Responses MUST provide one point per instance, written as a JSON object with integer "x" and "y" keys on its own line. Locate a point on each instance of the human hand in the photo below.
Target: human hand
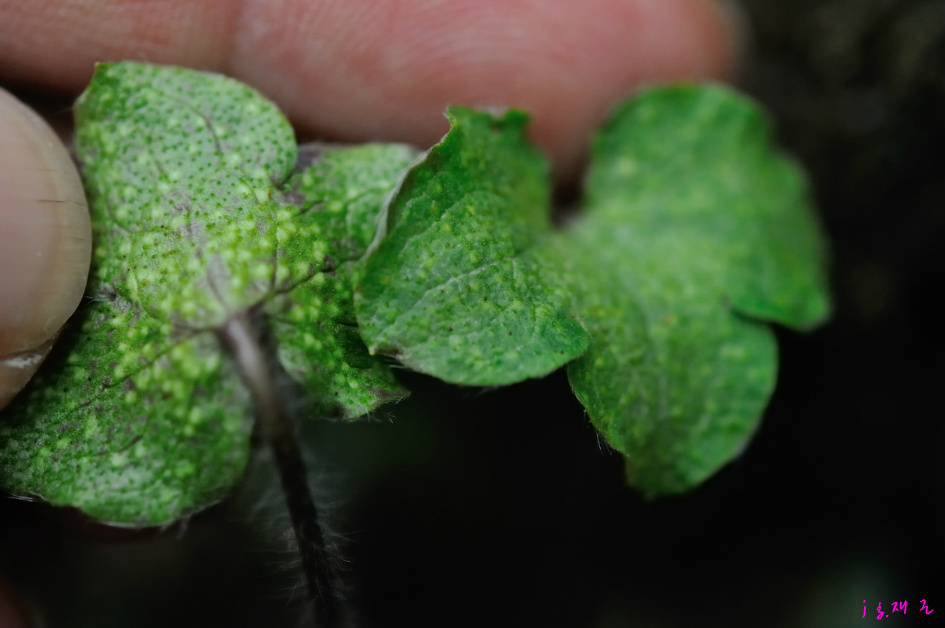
{"x": 354, "y": 71}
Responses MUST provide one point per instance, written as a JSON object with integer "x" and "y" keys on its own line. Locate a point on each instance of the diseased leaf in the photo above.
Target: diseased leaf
{"x": 453, "y": 290}
{"x": 341, "y": 189}
{"x": 132, "y": 434}
{"x": 181, "y": 170}
{"x": 139, "y": 419}
{"x": 341, "y": 192}
{"x": 696, "y": 233}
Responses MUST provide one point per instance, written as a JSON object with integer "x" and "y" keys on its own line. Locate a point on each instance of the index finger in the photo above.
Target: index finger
{"x": 384, "y": 70}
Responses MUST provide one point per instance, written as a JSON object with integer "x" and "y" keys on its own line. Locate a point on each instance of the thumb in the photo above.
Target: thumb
{"x": 45, "y": 242}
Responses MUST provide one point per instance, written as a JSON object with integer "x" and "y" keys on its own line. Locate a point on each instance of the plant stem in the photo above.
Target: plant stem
{"x": 242, "y": 338}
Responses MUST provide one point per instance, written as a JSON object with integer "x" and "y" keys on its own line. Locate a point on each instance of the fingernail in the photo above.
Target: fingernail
{"x": 45, "y": 240}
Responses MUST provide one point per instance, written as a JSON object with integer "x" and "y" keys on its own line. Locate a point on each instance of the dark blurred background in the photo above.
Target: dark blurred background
{"x": 501, "y": 508}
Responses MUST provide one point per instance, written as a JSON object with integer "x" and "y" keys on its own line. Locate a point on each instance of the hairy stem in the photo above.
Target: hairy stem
{"x": 242, "y": 338}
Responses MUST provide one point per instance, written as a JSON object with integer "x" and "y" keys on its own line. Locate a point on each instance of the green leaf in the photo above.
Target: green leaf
{"x": 696, "y": 233}
{"x": 138, "y": 419}
{"x": 342, "y": 188}
{"x": 181, "y": 169}
{"x": 134, "y": 442}
{"x": 340, "y": 192}
{"x": 454, "y": 289}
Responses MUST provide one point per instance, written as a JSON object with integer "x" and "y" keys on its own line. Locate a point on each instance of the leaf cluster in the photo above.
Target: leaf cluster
{"x": 694, "y": 235}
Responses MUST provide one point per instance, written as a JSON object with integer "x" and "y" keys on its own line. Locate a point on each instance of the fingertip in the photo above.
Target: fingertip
{"x": 45, "y": 241}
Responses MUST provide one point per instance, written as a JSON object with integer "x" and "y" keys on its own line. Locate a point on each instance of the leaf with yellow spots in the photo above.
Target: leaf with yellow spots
{"x": 454, "y": 289}
{"x": 340, "y": 192}
{"x": 200, "y": 215}
{"x": 696, "y": 233}
{"x": 130, "y": 439}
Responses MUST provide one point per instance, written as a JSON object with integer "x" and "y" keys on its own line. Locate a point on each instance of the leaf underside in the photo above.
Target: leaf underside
{"x": 695, "y": 236}
{"x": 199, "y": 213}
